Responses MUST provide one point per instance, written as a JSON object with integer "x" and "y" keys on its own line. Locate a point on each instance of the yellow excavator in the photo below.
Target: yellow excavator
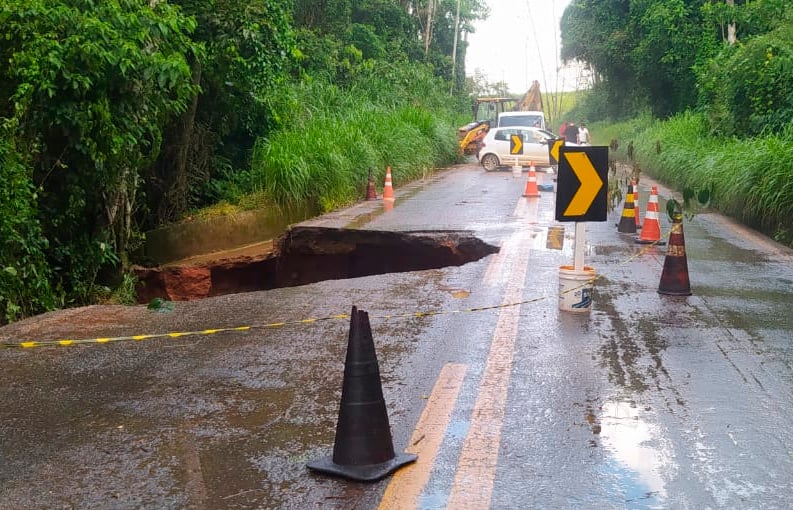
{"x": 531, "y": 100}
{"x": 470, "y": 136}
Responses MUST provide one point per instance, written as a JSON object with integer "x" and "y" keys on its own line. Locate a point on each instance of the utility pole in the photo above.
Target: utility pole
{"x": 454, "y": 47}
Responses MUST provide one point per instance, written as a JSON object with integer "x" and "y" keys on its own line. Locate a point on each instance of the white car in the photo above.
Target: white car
{"x": 498, "y": 144}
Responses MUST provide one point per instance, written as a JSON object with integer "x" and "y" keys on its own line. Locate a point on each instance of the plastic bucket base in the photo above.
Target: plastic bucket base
{"x": 517, "y": 171}
{"x": 575, "y": 288}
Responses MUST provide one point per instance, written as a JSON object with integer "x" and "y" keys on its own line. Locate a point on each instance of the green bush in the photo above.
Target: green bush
{"x": 85, "y": 90}
{"x": 24, "y": 272}
{"x": 748, "y": 89}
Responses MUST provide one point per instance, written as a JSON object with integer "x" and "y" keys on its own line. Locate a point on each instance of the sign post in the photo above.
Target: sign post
{"x": 580, "y": 244}
{"x": 581, "y": 196}
{"x": 516, "y": 148}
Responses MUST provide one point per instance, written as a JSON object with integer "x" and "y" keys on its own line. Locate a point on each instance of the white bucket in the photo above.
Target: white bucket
{"x": 575, "y": 288}
{"x": 517, "y": 170}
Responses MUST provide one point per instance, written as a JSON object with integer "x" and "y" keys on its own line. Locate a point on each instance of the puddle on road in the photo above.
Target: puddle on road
{"x": 633, "y": 463}
{"x": 716, "y": 249}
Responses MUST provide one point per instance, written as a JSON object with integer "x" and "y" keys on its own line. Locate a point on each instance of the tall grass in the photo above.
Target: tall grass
{"x": 333, "y": 137}
{"x": 749, "y": 179}
{"x": 327, "y": 163}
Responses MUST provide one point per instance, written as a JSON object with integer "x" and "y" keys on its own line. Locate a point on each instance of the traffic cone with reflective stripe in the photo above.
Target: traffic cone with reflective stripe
{"x": 388, "y": 189}
{"x": 627, "y": 224}
{"x": 636, "y": 211}
{"x": 363, "y": 449}
{"x": 531, "y": 183}
{"x": 651, "y": 229}
{"x": 674, "y": 277}
{"x": 371, "y": 192}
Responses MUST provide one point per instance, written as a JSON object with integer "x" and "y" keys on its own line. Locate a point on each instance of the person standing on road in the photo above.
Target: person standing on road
{"x": 571, "y": 133}
{"x": 583, "y": 135}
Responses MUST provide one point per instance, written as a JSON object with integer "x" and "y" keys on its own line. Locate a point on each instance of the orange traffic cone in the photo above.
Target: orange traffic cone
{"x": 627, "y": 224}
{"x": 636, "y": 211}
{"x": 531, "y": 183}
{"x": 388, "y": 189}
{"x": 651, "y": 229}
{"x": 371, "y": 192}
{"x": 363, "y": 449}
{"x": 674, "y": 277}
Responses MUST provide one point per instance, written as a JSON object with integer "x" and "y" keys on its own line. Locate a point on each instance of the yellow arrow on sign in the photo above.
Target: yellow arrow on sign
{"x": 590, "y": 183}
{"x": 555, "y": 148}
{"x": 517, "y": 145}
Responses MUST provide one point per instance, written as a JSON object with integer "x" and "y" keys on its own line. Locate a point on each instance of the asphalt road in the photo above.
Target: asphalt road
{"x": 646, "y": 401}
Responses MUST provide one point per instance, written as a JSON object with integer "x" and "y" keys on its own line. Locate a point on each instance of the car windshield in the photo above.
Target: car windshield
{"x": 521, "y": 120}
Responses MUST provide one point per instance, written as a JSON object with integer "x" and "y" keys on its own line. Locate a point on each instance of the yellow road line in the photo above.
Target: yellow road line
{"x": 496, "y": 264}
{"x": 407, "y": 484}
{"x": 476, "y": 469}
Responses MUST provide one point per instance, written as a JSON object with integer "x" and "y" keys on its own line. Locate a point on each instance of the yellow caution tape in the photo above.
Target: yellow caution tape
{"x": 177, "y": 334}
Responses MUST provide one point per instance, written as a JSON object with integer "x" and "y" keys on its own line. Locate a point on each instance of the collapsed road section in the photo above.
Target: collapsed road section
{"x": 304, "y": 255}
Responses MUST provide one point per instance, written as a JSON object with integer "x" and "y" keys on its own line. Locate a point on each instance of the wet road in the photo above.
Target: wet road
{"x": 647, "y": 401}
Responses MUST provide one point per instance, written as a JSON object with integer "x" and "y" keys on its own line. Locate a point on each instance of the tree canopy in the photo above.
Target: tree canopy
{"x": 671, "y": 55}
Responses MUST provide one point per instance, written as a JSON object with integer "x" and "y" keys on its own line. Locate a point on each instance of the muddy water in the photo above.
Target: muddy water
{"x": 199, "y": 236}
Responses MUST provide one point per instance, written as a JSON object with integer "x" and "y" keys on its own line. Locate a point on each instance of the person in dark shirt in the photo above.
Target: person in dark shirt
{"x": 571, "y": 133}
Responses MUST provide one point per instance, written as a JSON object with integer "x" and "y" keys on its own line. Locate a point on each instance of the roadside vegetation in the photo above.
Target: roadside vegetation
{"x": 703, "y": 112}
{"x": 122, "y": 116}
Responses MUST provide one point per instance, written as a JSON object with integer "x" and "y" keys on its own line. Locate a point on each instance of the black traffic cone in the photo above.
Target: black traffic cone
{"x": 627, "y": 224}
{"x": 371, "y": 192}
{"x": 674, "y": 277}
{"x": 363, "y": 449}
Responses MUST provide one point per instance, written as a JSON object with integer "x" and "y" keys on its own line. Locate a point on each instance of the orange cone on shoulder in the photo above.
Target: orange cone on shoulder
{"x": 531, "y": 183}
{"x": 651, "y": 229}
{"x": 388, "y": 188}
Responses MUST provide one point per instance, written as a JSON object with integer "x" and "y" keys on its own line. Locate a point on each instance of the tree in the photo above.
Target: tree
{"x": 668, "y": 36}
{"x": 89, "y": 87}
{"x": 640, "y": 49}
{"x": 249, "y": 50}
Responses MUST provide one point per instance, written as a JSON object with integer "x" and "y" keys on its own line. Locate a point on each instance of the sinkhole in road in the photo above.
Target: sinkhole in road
{"x": 304, "y": 255}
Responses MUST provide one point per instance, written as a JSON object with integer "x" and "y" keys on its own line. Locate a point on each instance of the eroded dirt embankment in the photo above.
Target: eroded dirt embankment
{"x": 305, "y": 255}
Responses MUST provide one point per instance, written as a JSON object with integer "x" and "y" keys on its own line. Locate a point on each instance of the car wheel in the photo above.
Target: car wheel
{"x": 490, "y": 162}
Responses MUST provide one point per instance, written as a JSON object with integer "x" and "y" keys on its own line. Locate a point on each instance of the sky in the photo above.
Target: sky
{"x": 519, "y": 43}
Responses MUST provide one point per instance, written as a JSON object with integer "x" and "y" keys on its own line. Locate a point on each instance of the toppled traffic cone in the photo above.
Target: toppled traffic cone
{"x": 531, "y": 183}
{"x": 636, "y": 211}
{"x": 363, "y": 450}
{"x": 627, "y": 224}
{"x": 651, "y": 229}
{"x": 388, "y": 188}
{"x": 371, "y": 192}
{"x": 674, "y": 277}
